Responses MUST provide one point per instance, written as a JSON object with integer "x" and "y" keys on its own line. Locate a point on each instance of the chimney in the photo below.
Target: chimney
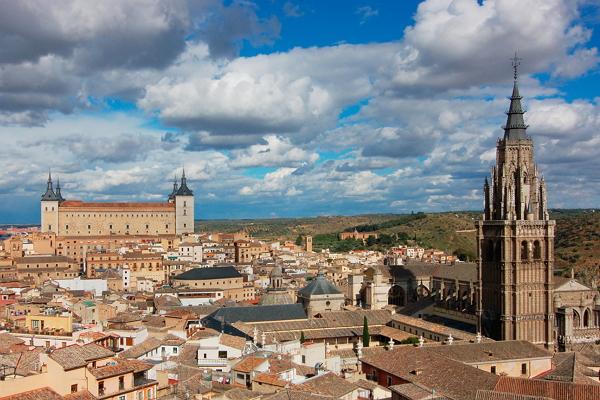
{"x": 417, "y": 371}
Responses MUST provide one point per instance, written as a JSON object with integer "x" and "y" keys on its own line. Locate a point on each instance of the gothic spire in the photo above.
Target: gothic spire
{"x": 183, "y": 188}
{"x": 58, "y": 194}
{"x": 515, "y": 124}
{"x": 174, "y": 192}
{"x": 49, "y": 183}
{"x": 49, "y": 195}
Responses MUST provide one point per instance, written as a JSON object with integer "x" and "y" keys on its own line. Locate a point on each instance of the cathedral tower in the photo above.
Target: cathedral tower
{"x": 515, "y": 240}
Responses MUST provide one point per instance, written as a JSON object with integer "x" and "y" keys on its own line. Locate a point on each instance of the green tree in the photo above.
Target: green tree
{"x": 366, "y": 339}
{"x": 371, "y": 241}
{"x": 299, "y": 240}
{"x": 302, "y": 338}
{"x": 410, "y": 340}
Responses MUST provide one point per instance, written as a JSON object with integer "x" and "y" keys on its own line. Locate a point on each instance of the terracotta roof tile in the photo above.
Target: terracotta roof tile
{"x": 37, "y": 394}
{"x": 492, "y": 395}
{"x": 423, "y": 367}
{"x": 119, "y": 367}
{"x": 328, "y": 384}
{"x": 248, "y": 364}
{"x": 551, "y": 389}
{"x": 75, "y": 356}
{"x": 270, "y": 379}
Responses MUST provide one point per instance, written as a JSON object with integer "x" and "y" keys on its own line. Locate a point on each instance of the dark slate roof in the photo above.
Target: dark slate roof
{"x": 198, "y": 274}
{"x": 318, "y": 286}
{"x": 515, "y": 125}
{"x": 50, "y": 195}
{"x": 183, "y": 188}
{"x": 174, "y": 192}
{"x": 276, "y": 312}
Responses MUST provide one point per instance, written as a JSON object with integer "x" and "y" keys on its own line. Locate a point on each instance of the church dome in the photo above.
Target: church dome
{"x": 318, "y": 286}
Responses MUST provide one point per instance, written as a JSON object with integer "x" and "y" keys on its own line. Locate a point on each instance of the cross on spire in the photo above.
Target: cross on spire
{"x": 516, "y": 61}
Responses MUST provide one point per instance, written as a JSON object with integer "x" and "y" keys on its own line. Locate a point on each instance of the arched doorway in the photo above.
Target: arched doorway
{"x": 396, "y": 296}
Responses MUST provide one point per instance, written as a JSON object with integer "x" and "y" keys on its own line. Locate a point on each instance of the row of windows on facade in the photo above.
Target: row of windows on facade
{"x": 494, "y": 250}
{"x": 48, "y": 274}
{"x": 216, "y": 282}
{"x": 92, "y": 243}
{"x": 102, "y": 390}
{"x": 95, "y": 264}
{"x": 47, "y": 265}
{"x": 110, "y": 226}
{"x": 117, "y": 214}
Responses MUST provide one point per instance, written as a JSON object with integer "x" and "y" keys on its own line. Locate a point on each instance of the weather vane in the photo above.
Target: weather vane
{"x": 516, "y": 61}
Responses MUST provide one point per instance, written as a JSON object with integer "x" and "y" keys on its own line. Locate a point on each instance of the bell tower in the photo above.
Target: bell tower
{"x": 515, "y": 240}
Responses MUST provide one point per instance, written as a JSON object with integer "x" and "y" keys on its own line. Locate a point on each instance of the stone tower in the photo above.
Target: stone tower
{"x": 515, "y": 240}
{"x": 184, "y": 207}
{"x": 308, "y": 244}
{"x": 49, "y": 207}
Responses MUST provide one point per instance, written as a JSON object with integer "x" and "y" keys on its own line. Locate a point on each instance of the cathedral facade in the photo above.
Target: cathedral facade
{"x": 515, "y": 241}
{"x": 78, "y": 218}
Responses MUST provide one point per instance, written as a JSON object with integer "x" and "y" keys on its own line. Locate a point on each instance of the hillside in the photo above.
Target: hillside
{"x": 452, "y": 232}
{"x": 577, "y": 243}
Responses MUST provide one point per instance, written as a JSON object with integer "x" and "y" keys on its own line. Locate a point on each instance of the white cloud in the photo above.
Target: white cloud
{"x": 275, "y": 152}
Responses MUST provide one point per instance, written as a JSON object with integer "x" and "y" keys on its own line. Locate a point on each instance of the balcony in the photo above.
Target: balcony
{"x": 142, "y": 381}
{"x": 214, "y": 362}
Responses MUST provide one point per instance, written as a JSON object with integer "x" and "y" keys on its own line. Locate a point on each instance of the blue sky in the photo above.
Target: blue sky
{"x": 292, "y": 108}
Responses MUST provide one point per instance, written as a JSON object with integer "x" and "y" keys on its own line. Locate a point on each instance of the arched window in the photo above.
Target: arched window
{"x": 576, "y": 319}
{"x": 537, "y": 250}
{"x": 524, "y": 254}
{"x": 396, "y": 296}
{"x": 586, "y": 318}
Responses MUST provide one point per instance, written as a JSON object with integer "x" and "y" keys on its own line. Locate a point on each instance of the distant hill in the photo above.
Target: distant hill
{"x": 577, "y": 243}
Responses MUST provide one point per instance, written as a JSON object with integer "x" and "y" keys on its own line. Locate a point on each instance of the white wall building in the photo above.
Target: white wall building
{"x": 89, "y": 285}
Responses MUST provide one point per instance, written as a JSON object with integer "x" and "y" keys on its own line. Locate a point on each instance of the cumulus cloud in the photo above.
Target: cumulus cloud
{"x": 393, "y": 142}
{"x": 54, "y": 56}
{"x": 404, "y": 125}
{"x": 463, "y": 43}
{"x": 225, "y": 27}
{"x": 275, "y": 152}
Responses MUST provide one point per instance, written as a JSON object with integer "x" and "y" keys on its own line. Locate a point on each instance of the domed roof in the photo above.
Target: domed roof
{"x": 318, "y": 286}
